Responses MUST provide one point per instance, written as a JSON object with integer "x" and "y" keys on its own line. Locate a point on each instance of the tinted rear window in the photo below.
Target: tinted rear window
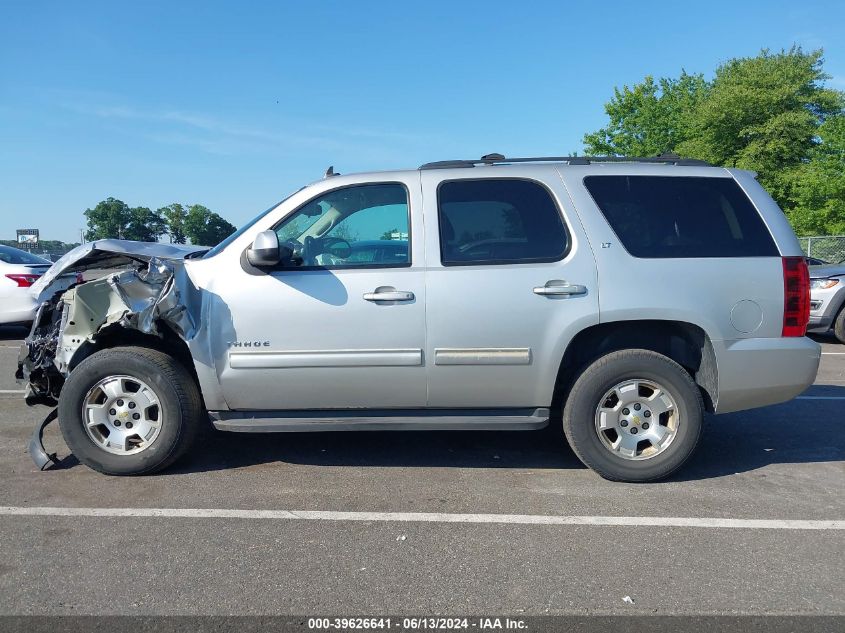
{"x": 498, "y": 221}
{"x": 671, "y": 216}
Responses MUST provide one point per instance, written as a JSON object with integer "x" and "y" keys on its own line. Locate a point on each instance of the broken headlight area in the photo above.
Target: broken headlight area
{"x": 35, "y": 363}
{"x": 137, "y": 288}
{"x": 70, "y": 325}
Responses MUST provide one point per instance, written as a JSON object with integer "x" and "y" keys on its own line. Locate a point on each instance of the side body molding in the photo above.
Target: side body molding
{"x": 482, "y": 356}
{"x": 266, "y": 359}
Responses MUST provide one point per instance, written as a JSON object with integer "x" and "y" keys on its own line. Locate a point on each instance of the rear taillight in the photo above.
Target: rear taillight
{"x": 796, "y": 296}
{"x": 79, "y": 278}
{"x": 24, "y": 281}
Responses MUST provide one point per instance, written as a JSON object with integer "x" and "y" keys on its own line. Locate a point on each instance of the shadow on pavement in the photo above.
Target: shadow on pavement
{"x": 801, "y": 431}
{"x": 827, "y": 337}
{"x": 545, "y": 449}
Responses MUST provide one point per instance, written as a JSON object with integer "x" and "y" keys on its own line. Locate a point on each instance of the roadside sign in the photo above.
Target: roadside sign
{"x": 27, "y": 237}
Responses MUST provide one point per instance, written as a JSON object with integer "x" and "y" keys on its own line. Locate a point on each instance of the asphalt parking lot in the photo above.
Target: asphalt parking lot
{"x": 723, "y": 544}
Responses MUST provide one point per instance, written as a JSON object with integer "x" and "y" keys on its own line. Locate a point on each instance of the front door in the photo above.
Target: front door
{"x": 342, "y": 325}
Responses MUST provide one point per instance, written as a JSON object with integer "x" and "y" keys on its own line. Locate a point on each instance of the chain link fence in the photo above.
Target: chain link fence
{"x": 829, "y": 248}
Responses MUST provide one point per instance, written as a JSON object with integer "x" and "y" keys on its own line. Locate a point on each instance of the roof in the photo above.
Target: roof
{"x": 523, "y": 167}
{"x": 499, "y": 159}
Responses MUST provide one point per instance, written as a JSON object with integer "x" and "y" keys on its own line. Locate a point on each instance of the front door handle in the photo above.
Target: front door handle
{"x": 388, "y": 293}
{"x": 560, "y": 288}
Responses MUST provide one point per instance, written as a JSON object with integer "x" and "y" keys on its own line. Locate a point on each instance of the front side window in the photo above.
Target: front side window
{"x": 357, "y": 226}
{"x": 681, "y": 216}
{"x": 498, "y": 221}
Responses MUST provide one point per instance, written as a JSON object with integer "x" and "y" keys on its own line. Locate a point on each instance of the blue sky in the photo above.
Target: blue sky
{"x": 234, "y": 105}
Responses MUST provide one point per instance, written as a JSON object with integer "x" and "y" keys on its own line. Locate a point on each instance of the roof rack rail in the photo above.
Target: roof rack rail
{"x": 495, "y": 159}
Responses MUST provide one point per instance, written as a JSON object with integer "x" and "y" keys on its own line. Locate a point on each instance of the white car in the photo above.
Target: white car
{"x": 18, "y": 271}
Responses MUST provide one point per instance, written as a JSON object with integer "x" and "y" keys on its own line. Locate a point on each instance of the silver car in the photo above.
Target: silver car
{"x": 622, "y": 299}
{"x": 827, "y": 299}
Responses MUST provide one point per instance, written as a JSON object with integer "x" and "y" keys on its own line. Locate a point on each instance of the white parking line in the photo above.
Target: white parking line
{"x": 15, "y": 391}
{"x": 427, "y": 517}
{"x": 833, "y": 353}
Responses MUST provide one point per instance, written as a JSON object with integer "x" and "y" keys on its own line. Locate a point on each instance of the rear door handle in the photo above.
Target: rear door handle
{"x": 560, "y": 288}
{"x": 388, "y": 293}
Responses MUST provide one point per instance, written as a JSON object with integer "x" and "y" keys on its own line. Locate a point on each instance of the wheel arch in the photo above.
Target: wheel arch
{"x": 168, "y": 343}
{"x": 685, "y": 343}
{"x": 838, "y": 302}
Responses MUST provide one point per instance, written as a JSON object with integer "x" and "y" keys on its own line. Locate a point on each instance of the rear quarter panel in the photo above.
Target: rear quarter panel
{"x": 737, "y": 301}
{"x": 702, "y": 291}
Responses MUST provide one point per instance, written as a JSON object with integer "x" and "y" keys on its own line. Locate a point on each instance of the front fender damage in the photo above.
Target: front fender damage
{"x": 146, "y": 298}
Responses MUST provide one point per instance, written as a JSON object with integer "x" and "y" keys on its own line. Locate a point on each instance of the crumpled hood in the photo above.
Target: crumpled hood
{"x": 139, "y": 287}
{"x": 108, "y": 254}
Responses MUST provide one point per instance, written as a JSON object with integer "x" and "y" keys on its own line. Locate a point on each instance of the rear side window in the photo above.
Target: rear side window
{"x": 672, "y": 216}
{"x": 498, "y": 221}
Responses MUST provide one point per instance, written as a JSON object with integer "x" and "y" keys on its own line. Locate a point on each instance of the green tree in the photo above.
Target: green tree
{"x": 766, "y": 113}
{"x": 763, "y": 113}
{"x": 113, "y": 218}
{"x": 204, "y": 227}
{"x": 174, "y": 216}
{"x": 816, "y": 188}
{"x": 144, "y": 225}
{"x": 650, "y": 118}
{"x": 56, "y": 246}
{"x": 108, "y": 219}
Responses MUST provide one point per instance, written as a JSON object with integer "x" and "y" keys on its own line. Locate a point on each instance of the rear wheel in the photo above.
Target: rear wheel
{"x": 633, "y": 415}
{"x": 129, "y": 411}
{"x": 839, "y": 325}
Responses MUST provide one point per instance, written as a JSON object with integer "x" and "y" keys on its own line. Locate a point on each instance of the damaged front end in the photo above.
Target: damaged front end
{"x": 134, "y": 288}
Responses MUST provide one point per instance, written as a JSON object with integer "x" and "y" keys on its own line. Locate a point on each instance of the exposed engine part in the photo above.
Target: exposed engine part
{"x": 136, "y": 287}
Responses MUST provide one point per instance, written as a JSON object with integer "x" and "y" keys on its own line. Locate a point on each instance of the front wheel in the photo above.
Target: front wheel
{"x": 633, "y": 415}
{"x": 129, "y": 411}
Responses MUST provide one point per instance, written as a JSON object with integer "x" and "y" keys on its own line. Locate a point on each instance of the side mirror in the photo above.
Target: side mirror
{"x": 264, "y": 250}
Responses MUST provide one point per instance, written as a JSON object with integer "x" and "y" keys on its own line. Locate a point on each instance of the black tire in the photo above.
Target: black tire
{"x": 579, "y": 414}
{"x": 179, "y": 399}
{"x": 839, "y": 326}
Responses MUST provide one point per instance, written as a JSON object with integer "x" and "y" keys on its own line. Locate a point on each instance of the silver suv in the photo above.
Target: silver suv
{"x": 621, "y": 298}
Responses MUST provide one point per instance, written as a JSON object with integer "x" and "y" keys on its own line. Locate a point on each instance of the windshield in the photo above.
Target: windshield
{"x": 244, "y": 228}
{"x": 14, "y": 256}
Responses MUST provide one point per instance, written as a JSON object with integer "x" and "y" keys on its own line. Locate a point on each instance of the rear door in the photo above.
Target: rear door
{"x": 510, "y": 279}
